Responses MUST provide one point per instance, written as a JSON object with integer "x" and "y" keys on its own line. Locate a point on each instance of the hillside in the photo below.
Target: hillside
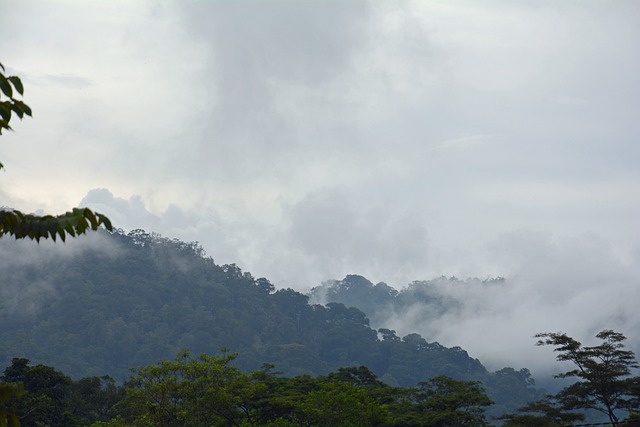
{"x": 114, "y": 301}
{"x": 427, "y": 300}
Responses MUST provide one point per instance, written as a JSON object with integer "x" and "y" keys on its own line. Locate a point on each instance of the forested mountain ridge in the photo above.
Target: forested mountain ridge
{"x": 380, "y": 302}
{"x": 127, "y": 300}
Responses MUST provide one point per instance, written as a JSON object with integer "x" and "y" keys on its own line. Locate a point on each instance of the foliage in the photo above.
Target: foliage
{"x": 602, "y": 373}
{"x": 542, "y": 413}
{"x": 444, "y": 402}
{"x": 20, "y": 225}
{"x": 207, "y": 390}
{"x": 42, "y": 395}
{"x": 130, "y": 299}
{"x": 186, "y": 391}
{"x": 8, "y": 392}
{"x": 73, "y": 223}
{"x": 9, "y": 85}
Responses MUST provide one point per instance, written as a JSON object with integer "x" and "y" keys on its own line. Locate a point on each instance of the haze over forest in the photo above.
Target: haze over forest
{"x": 400, "y": 141}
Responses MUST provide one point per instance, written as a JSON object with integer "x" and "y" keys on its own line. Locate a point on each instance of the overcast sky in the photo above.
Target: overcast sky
{"x": 305, "y": 140}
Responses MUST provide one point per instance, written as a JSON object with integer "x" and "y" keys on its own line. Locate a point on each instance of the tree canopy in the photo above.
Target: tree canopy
{"x": 209, "y": 390}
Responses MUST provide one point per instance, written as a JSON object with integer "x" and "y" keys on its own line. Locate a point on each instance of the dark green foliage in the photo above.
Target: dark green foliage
{"x": 127, "y": 300}
{"x": 210, "y": 391}
{"x": 9, "y": 392}
{"x": 508, "y": 387}
{"x": 542, "y": 413}
{"x": 46, "y": 390}
{"x": 9, "y": 85}
{"x": 35, "y": 227}
{"x": 49, "y": 397}
{"x": 445, "y": 402}
{"x": 94, "y": 399}
{"x": 202, "y": 391}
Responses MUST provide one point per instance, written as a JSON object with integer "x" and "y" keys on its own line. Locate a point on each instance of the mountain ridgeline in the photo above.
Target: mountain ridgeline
{"x": 118, "y": 300}
{"x": 381, "y": 302}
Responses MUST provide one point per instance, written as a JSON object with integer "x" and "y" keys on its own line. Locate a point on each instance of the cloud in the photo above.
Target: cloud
{"x": 204, "y": 226}
{"x": 333, "y": 233}
{"x": 18, "y": 300}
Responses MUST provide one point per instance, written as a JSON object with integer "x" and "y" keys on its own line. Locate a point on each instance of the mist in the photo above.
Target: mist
{"x": 20, "y": 301}
{"x": 579, "y": 286}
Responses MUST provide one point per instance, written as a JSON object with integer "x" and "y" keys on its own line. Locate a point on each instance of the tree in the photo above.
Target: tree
{"x": 12, "y": 105}
{"x": 206, "y": 390}
{"x": 46, "y": 391}
{"x": 9, "y": 392}
{"x": 602, "y": 373}
{"x": 442, "y": 402}
{"x": 94, "y": 399}
{"x": 20, "y": 225}
{"x": 449, "y": 402}
{"x": 338, "y": 403}
{"x": 542, "y": 413}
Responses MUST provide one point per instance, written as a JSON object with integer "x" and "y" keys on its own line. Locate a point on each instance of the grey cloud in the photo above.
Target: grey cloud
{"x": 71, "y": 81}
{"x": 205, "y": 226}
{"x": 338, "y": 233}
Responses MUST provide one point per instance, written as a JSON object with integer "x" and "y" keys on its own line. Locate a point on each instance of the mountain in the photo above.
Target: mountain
{"x": 113, "y": 301}
{"x": 427, "y": 300}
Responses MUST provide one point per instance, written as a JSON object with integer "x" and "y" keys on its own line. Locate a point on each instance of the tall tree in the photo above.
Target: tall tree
{"x": 44, "y": 400}
{"x": 603, "y": 373}
{"x": 442, "y": 402}
{"x": 542, "y": 413}
{"x": 21, "y": 225}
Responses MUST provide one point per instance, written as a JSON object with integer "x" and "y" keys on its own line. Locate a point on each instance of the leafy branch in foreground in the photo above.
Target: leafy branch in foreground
{"x": 21, "y": 225}
{"x": 9, "y": 84}
{"x": 73, "y": 223}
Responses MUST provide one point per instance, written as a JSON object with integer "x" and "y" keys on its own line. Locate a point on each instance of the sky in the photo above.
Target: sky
{"x": 307, "y": 140}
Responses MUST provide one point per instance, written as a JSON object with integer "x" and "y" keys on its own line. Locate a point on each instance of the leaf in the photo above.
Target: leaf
{"x": 5, "y": 86}
{"x": 27, "y": 109}
{"x": 106, "y": 222}
{"x": 52, "y": 225}
{"x": 81, "y": 225}
{"x": 18, "y": 108}
{"x": 21, "y": 108}
{"x": 5, "y": 111}
{"x": 69, "y": 228}
{"x": 92, "y": 218}
{"x": 16, "y": 83}
{"x": 4, "y": 125}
